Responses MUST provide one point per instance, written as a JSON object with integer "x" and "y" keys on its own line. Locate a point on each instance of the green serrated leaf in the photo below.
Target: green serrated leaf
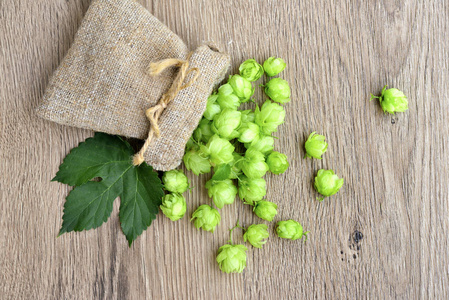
{"x": 140, "y": 201}
{"x": 222, "y": 172}
{"x": 99, "y": 156}
{"x": 90, "y": 203}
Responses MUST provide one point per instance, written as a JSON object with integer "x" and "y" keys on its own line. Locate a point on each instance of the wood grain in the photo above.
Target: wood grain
{"x": 384, "y": 235}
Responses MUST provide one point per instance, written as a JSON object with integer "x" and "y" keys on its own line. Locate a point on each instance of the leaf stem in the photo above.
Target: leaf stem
{"x": 305, "y": 235}
{"x": 231, "y": 230}
{"x": 374, "y": 97}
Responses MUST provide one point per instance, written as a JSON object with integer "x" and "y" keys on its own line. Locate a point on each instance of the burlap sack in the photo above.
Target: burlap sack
{"x": 102, "y": 83}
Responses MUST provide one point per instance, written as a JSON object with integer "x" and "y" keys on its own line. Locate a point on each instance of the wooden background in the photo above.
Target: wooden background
{"x": 384, "y": 235}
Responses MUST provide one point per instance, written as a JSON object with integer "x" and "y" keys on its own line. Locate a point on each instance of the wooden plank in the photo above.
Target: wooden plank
{"x": 384, "y": 235}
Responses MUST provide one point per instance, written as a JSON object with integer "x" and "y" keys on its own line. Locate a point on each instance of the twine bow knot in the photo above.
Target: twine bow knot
{"x": 153, "y": 113}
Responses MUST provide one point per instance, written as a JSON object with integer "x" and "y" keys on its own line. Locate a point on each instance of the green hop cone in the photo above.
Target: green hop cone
{"x": 265, "y": 210}
{"x": 277, "y": 162}
{"x": 392, "y": 100}
{"x": 278, "y": 90}
{"x": 273, "y": 66}
{"x": 222, "y": 192}
{"x": 206, "y": 218}
{"x": 175, "y": 181}
{"x": 226, "y": 123}
{"x": 227, "y": 98}
{"x": 252, "y": 190}
{"x": 251, "y": 70}
{"x": 256, "y": 235}
{"x": 196, "y": 162}
{"x": 191, "y": 144}
{"x": 174, "y": 206}
{"x": 232, "y": 258}
{"x": 212, "y": 107}
{"x": 269, "y": 117}
{"x": 218, "y": 150}
{"x": 242, "y": 87}
{"x": 290, "y": 229}
{"x": 253, "y": 164}
{"x": 248, "y": 132}
{"x": 327, "y": 183}
{"x": 247, "y": 116}
{"x": 264, "y": 144}
{"x": 203, "y": 132}
{"x": 315, "y": 145}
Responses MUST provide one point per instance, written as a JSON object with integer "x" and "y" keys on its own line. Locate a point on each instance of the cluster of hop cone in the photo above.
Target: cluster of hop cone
{"x": 238, "y": 145}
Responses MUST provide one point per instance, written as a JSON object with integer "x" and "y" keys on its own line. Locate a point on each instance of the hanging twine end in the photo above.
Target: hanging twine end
{"x": 138, "y": 159}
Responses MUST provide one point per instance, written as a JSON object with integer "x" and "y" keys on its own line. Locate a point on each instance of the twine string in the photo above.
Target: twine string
{"x": 153, "y": 113}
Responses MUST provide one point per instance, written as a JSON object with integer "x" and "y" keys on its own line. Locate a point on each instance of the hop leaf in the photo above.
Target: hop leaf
{"x": 315, "y": 145}
{"x": 174, "y": 206}
{"x": 232, "y": 258}
{"x": 222, "y": 172}
{"x": 327, "y": 183}
{"x": 98, "y": 156}
{"x": 175, "y": 181}
{"x": 206, "y": 218}
{"x": 256, "y": 235}
{"x": 273, "y": 66}
{"x": 251, "y": 70}
{"x": 290, "y": 229}
{"x": 89, "y": 204}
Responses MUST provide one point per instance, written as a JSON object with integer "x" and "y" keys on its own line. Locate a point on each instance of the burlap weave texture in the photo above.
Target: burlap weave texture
{"x": 102, "y": 82}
